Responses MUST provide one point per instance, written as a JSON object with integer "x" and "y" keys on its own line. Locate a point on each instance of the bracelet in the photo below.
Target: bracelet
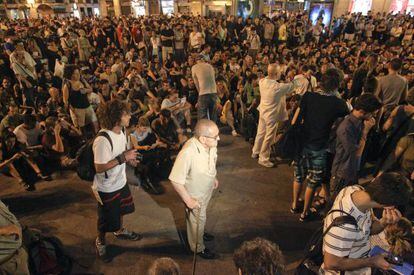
{"x": 120, "y": 158}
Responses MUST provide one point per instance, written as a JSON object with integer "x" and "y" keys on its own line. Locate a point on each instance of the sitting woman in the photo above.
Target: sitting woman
{"x": 396, "y": 239}
{"x": 225, "y": 107}
{"x": 55, "y": 146}
{"x": 17, "y": 163}
{"x": 153, "y": 153}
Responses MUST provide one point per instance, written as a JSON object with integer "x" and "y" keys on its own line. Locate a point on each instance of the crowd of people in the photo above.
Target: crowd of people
{"x": 349, "y": 87}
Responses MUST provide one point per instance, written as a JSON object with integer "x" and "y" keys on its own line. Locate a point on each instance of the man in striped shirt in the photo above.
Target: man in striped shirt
{"x": 346, "y": 247}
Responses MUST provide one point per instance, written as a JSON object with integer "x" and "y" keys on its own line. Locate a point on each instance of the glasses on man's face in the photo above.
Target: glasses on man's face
{"x": 217, "y": 137}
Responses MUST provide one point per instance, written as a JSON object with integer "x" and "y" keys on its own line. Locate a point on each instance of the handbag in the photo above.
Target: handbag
{"x": 290, "y": 144}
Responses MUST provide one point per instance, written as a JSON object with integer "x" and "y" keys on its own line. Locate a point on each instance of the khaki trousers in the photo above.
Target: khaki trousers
{"x": 191, "y": 220}
{"x": 18, "y": 265}
{"x": 265, "y": 137}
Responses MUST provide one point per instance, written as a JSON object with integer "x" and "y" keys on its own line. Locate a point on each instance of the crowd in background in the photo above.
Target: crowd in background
{"x": 55, "y": 73}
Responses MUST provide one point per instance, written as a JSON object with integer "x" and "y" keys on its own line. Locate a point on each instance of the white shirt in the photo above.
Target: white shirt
{"x": 28, "y": 137}
{"x": 303, "y": 84}
{"x": 103, "y": 154}
{"x": 196, "y": 39}
{"x": 195, "y": 168}
{"x": 205, "y": 75}
{"x": 273, "y": 99}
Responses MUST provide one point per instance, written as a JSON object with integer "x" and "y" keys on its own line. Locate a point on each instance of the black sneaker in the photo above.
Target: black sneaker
{"x": 128, "y": 235}
{"x": 101, "y": 252}
{"x": 208, "y": 237}
{"x": 29, "y": 187}
{"x": 207, "y": 254}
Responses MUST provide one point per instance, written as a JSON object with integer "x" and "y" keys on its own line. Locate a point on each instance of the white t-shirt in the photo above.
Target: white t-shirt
{"x": 103, "y": 154}
{"x": 205, "y": 75}
{"x": 28, "y": 137}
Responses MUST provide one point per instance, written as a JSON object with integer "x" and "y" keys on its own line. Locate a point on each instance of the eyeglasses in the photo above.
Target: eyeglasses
{"x": 217, "y": 137}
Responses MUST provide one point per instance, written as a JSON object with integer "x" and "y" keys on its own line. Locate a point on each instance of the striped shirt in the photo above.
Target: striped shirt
{"x": 346, "y": 240}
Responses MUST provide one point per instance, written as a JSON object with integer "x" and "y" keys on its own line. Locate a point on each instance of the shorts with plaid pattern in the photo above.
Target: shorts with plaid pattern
{"x": 312, "y": 166}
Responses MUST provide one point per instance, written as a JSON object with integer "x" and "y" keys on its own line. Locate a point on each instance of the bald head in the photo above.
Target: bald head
{"x": 272, "y": 70}
{"x": 205, "y": 127}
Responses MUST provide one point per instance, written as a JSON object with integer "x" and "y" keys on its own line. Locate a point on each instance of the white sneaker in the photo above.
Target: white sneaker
{"x": 267, "y": 164}
{"x": 255, "y": 156}
{"x": 234, "y": 133}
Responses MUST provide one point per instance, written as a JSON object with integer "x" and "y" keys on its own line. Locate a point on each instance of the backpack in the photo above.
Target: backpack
{"x": 86, "y": 166}
{"x": 313, "y": 259}
{"x": 46, "y": 256}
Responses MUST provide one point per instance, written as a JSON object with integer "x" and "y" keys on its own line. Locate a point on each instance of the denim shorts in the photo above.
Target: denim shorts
{"x": 312, "y": 166}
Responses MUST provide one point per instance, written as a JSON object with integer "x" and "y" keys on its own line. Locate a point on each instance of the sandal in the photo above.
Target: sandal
{"x": 305, "y": 217}
{"x": 295, "y": 210}
{"x": 318, "y": 205}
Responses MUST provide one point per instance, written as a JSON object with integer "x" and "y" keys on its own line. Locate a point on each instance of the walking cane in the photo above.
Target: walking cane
{"x": 196, "y": 246}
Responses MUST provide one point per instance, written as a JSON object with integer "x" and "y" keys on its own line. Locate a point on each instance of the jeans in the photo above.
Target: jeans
{"x": 207, "y": 107}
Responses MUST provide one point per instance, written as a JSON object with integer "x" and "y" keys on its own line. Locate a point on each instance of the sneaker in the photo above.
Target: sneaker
{"x": 255, "y": 156}
{"x": 29, "y": 187}
{"x": 127, "y": 235}
{"x": 101, "y": 252}
{"x": 234, "y": 133}
{"x": 267, "y": 164}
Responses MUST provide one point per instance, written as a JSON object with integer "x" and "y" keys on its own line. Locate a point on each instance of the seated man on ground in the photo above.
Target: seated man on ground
{"x": 154, "y": 156}
{"x": 167, "y": 132}
{"x": 179, "y": 108}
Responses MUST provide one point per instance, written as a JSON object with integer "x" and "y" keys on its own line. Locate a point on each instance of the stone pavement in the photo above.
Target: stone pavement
{"x": 251, "y": 201}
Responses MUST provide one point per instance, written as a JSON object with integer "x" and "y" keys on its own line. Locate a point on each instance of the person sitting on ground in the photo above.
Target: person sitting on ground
{"x": 179, "y": 108}
{"x": 16, "y": 162}
{"x": 54, "y": 145}
{"x": 153, "y": 153}
{"x": 224, "y": 107}
{"x": 11, "y": 120}
{"x": 29, "y": 132}
{"x": 164, "y": 266}
{"x": 259, "y": 256}
{"x": 167, "y": 132}
{"x": 397, "y": 239}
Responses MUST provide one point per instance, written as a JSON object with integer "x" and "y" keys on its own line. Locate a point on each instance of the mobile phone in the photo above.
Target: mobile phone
{"x": 393, "y": 259}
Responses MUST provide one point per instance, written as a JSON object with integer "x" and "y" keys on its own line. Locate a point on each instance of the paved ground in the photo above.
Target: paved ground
{"x": 251, "y": 201}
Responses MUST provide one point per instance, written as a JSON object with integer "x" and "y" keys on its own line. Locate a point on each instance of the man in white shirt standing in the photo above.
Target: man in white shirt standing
{"x": 205, "y": 82}
{"x": 272, "y": 109}
{"x": 110, "y": 187}
{"x": 306, "y": 81}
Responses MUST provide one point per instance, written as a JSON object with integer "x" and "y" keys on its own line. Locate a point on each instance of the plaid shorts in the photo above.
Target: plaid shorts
{"x": 312, "y": 166}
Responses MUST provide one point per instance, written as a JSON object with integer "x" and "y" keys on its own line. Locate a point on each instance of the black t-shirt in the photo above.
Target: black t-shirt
{"x": 166, "y": 133}
{"x": 170, "y": 34}
{"x": 319, "y": 112}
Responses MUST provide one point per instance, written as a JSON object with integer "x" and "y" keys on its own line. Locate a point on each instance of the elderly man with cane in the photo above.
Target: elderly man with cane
{"x": 194, "y": 178}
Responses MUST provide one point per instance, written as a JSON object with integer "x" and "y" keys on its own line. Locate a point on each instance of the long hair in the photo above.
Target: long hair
{"x": 399, "y": 236}
{"x": 110, "y": 113}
